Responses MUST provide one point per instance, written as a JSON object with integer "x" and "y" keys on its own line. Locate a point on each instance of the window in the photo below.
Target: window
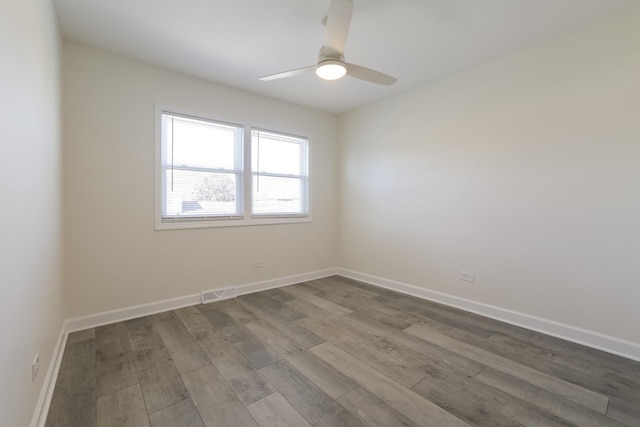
{"x": 279, "y": 173}
{"x": 201, "y": 169}
{"x": 212, "y": 173}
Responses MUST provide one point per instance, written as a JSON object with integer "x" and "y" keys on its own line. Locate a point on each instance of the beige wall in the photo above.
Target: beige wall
{"x": 31, "y": 196}
{"x": 114, "y": 258}
{"x": 524, "y": 171}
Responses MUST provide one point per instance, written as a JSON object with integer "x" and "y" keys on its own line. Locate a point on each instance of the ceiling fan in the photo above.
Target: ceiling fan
{"x": 331, "y": 64}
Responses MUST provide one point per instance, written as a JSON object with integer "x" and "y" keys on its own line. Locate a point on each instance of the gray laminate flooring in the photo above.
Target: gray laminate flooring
{"x": 335, "y": 352}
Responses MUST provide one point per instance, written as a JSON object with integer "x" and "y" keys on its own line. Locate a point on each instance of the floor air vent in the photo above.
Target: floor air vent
{"x": 218, "y": 295}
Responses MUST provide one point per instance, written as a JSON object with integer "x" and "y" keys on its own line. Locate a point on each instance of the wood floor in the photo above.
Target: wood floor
{"x": 335, "y": 352}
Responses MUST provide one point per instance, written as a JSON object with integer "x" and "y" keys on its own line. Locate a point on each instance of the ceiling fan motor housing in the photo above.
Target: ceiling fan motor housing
{"x": 328, "y": 54}
{"x": 331, "y": 65}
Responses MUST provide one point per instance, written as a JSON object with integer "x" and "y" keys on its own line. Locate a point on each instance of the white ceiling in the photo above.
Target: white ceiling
{"x": 233, "y": 42}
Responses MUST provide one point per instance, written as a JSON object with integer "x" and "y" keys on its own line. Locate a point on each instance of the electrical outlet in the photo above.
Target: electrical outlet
{"x": 258, "y": 264}
{"x": 467, "y": 277}
{"x": 35, "y": 367}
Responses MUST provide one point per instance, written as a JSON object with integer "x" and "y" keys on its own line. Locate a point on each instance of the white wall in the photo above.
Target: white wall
{"x": 524, "y": 171}
{"x": 30, "y": 203}
{"x": 114, "y": 258}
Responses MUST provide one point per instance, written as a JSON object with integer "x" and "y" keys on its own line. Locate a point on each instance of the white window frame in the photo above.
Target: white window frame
{"x": 244, "y": 190}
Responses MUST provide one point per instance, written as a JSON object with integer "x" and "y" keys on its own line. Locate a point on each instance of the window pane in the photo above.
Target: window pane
{"x": 277, "y": 195}
{"x": 198, "y": 143}
{"x": 198, "y": 194}
{"x": 195, "y": 154}
{"x": 273, "y": 153}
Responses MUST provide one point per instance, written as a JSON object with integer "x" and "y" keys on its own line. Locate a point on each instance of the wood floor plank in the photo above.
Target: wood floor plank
{"x": 301, "y": 336}
{"x": 339, "y": 296}
{"x": 216, "y": 402}
{"x": 382, "y": 311}
{"x": 303, "y": 394}
{"x": 577, "y": 394}
{"x": 262, "y": 300}
{"x": 256, "y": 353}
{"x": 547, "y": 401}
{"x": 300, "y": 293}
{"x": 398, "y": 321}
{"x": 184, "y": 350}
{"x": 115, "y": 365}
{"x": 236, "y": 370}
{"x": 159, "y": 379}
{"x": 327, "y": 287}
{"x": 405, "y": 401}
{"x": 223, "y": 322}
{"x": 351, "y": 302}
{"x": 279, "y": 295}
{"x": 371, "y": 410}
{"x": 603, "y": 372}
{"x": 359, "y": 344}
{"x": 526, "y": 417}
{"x": 73, "y": 403}
{"x": 406, "y": 375}
{"x": 595, "y": 378}
{"x": 237, "y": 311}
{"x": 123, "y": 408}
{"x": 371, "y": 354}
{"x": 86, "y": 334}
{"x": 328, "y": 379}
{"x": 482, "y": 405}
{"x": 437, "y": 360}
{"x": 375, "y": 289}
{"x": 431, "y": 311}
{"x": 243, "y": 379}
{"x": 625, "y": 412}
{"x": 395, "y": 308}
{"x": 311, "y": 310}
{"x": 343, "y": 419}
{"x": 435, "y": 316}
{"x": 363, "y": 325}
{"x": 326, "y": 328}
{"x": 275, "y": 411}
{"x": 575, "y": 356}
{"x": 276, "y": 340}
{"x": 583, "y": 354}
{"x": 343, "y": 287}
{"x": 181, "y": 414}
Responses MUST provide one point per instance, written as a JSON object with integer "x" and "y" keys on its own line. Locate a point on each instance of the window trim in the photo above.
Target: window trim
{"x": 246, "y": 218}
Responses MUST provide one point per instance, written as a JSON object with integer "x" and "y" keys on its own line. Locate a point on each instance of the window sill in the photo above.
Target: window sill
{"x": 239, "y": 222}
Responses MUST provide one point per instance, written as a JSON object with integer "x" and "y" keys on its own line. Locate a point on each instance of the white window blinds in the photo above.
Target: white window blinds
{"x": 201, "y": 163}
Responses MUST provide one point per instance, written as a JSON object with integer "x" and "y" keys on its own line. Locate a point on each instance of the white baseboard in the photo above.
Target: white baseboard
{"x": 46, "y": 393}
{"x": 617, "y": 346}
{"x": 285, "y": 281}
{"x": 127, "y": 313}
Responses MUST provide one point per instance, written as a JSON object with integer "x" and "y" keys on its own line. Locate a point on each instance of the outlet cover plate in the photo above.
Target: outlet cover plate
{"x": 467, "y": 277}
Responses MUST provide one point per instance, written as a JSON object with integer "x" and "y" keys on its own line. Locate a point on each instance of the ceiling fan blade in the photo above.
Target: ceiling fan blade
{"x": 289, "y": 73}
{"x": 373, "y": 76}
{"x": 338, "y": 22}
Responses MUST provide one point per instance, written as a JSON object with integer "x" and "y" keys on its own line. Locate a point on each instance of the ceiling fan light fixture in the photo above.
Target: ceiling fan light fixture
{"x": 331, "y": 69}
